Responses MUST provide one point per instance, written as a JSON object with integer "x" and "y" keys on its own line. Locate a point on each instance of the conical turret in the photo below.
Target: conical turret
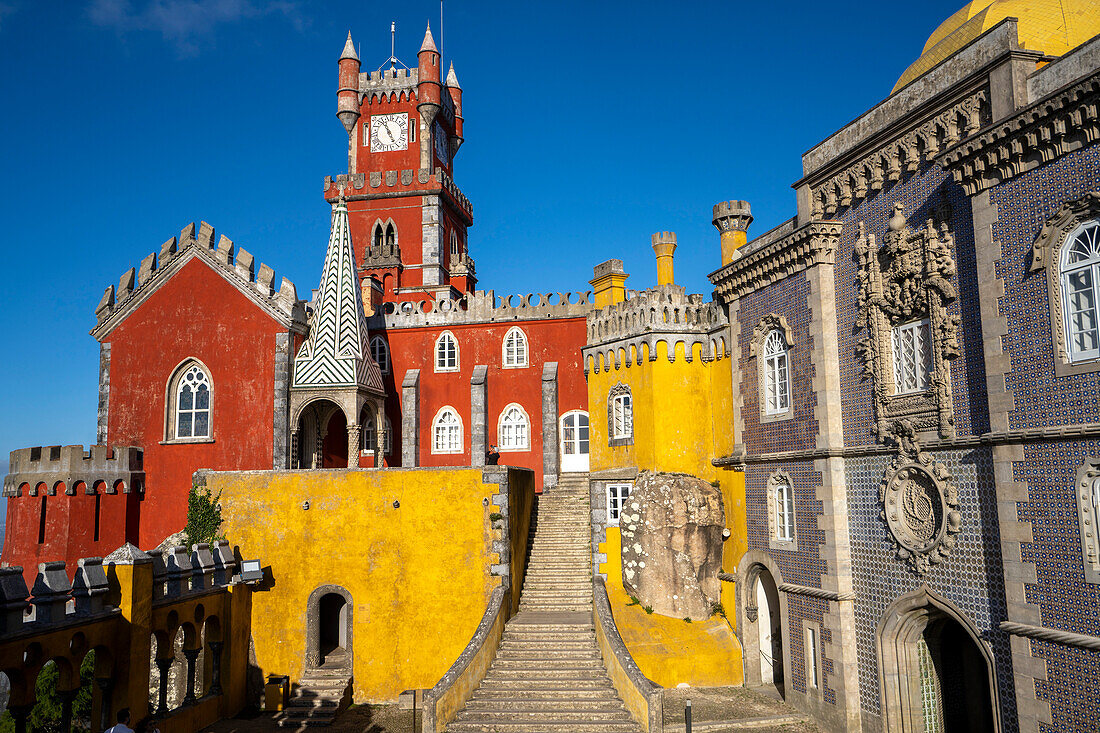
{"x": 455, "y": 91}
{"x": 429, "y": 89}
{"x": 347, "y": 95}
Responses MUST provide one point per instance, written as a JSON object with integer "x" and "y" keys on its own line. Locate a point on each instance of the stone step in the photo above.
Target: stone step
{"x": 571, "y": 673}
{"x": 542, "y": 664}
{"x": 578, "y": 694}
{"x": 515, "y": 685}
{"x": 536, "y": 715}
{"x": 560, "y": 724}
{"x": 605, "y": 704}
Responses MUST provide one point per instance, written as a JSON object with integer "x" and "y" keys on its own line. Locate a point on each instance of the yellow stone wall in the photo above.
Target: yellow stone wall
{"x": 681, "y": 421}
{"x": 418, "y": 573}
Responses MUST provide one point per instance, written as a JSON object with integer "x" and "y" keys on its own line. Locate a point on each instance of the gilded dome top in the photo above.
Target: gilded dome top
{"x": 1051, "y": 26}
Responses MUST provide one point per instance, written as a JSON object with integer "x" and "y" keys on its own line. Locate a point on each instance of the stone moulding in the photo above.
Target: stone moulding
{"x": 767, "y": 324}
{"x": 1041, "y": 633}
{"x": 237, "y": 266}
{"x": 905, "y": 153}
{"x": 1087, "y": 475}
{"x": 813, "y": 244}
{"x": 905, "y": 280}
{"x": 437, "y": 181}
{"x": 920, "y": 507}
{"x": 1063, "y": 122}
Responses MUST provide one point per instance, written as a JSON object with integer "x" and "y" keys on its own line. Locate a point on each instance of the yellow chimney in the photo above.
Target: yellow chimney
{"x": 732, "y": 219}
{"x": 608, "y": 283}
{"x": 664, "y": 245}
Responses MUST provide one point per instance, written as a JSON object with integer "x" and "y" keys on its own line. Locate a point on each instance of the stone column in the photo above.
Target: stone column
{"x": 162, "y": 696}
{"x": 410, "y": 419}
{"x": 353, "y": 446}
{"x": 192, "y": 656}
{"x": 479, "y": 418}
{"x": 280, "y": 457}
{"x": 319, "y": 446}
{"x": 104, "y": 684}
{"x": 551, "y": 443}
{"x": 67, "y": 697}
{"x": 295, "y": 444}
{"x": 20, "y": 713}
{"x": 216, "y": 667}
{"x": 379, "y": 433}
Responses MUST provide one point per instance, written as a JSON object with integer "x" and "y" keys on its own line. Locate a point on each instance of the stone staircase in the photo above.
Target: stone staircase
{"x": 322, "y": 694}
{"x": 548, "y": 675}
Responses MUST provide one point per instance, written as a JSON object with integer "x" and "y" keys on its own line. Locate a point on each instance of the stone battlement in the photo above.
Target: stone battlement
{"x": 363, "y": 182}
{"x": 235, "y": 263}
{"x": 57, "y": 466}
{"x": 483, "y": 307}
{"x": 665, "y": 313}
{"x": 375, "y": 84}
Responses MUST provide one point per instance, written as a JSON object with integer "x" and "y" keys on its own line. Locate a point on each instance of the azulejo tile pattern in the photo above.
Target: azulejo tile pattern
{"x": 786, "y": 298}
{"x": 971, "y": 577}
{"x": 927, "y": 194}
{"x": 1025, "y": 203}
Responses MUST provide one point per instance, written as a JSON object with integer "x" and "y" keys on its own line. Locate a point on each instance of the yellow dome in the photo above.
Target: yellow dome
{"x": 1050, "y": 26}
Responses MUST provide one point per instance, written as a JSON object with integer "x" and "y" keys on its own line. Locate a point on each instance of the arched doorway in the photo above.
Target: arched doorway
{"x": 322, "y": 436}
{"x": 329, "y": 641}
{"x": 769, "y": 628}
{"x": 334, "y": 453}
{"x": 936, "y": 673}
{"x": 574, "y": 441}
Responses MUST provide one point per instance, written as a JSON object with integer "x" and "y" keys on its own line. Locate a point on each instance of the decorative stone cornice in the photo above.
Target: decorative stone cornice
{"x": 813, "y": 244}
{"x": 1063, "y": 122}
{"x": 234, "y": 264}
{"x": 903, "y": 153}
{"x": 408, "y": 182}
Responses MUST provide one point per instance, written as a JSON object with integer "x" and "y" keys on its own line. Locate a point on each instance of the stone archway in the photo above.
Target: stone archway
{"x": 329, "y": 628}
{"x": 935, "y": 672}
{"x": 761, "y": 611}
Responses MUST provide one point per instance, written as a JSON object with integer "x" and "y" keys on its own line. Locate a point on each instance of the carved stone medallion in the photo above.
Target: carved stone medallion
{"x": 920, "y": 506}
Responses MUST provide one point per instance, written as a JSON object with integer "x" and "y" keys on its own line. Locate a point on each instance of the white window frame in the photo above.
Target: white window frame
{"x": 176, "y": 384}
{"x": 518, "y": 358}
{"x": 811, "y": 635}
{"x": 782, "y": 515}
{"x": 620, "y": 408}
{"x": 524, "y": 425}
{"x": 1087, "y": 234}
{"x": 441, "y": 359}
{"x": 617, "y": 494}
{"x": 454, "y": 441}
{"x": 369, "y": 436}
{"x": 777, "y": 374}
{"x": 901, "y": 359}
{"x": 380, "y": 352}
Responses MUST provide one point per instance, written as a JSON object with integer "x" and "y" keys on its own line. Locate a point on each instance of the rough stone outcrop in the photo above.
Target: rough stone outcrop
{"x": 671, "y": 531}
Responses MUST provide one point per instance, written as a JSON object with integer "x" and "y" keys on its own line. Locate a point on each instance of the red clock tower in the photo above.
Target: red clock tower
{"x": 408, "y": 218}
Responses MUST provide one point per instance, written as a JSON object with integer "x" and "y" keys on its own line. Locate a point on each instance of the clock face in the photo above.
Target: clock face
{"x": 389, "y": 132}
{"x": 441, "y": 147}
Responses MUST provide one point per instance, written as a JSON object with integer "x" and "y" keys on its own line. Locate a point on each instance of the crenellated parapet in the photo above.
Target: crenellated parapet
{"x": 235, "y": 264}
{"x": 65, "y": 469}
{"x": 628, "y": 332}
{"x": 364, "y": 186}
{"x": 482, "y": 306}
{"x": 388, "y": 85}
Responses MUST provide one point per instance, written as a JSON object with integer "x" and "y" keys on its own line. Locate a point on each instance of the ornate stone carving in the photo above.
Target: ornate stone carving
{"x": 919, "y": 504}
{"x": 1086, "y": 489}
{"x": 767, "y": 324}
{"x": 760, "y": 266}
{"x": 907, "y": 279}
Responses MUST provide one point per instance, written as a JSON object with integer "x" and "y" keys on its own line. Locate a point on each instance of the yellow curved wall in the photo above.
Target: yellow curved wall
{"x": 418, "y": 573}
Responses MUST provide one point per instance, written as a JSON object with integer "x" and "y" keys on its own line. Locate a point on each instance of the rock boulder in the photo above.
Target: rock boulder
{"x": 671, "y": 529}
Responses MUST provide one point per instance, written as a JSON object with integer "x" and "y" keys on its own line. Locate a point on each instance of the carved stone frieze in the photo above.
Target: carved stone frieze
{"x": 908, "y": 279}
{"x": 919, "y": 504}
{"x": 905, "y": 153}
{"x": 810, "y": 245}
{"x": 767, "y": 324}
{"x": 1059, "y": 124}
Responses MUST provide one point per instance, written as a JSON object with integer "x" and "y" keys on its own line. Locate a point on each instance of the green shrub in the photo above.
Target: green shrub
{"x": 647, "y": 609}
{"x": 717, "y": 609}
{"x": 204, "y": 516}
{"x": 495, "y": 517}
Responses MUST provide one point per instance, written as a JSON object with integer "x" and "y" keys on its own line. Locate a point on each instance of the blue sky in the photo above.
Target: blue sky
{"x": 588, "y": 127}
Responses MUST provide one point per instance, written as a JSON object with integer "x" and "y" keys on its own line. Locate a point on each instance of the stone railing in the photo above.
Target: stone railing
{"x": 128, "y": 614}
{"x": 641, "y": 695}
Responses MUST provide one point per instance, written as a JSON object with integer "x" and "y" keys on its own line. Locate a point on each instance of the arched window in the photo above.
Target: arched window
{"x": 446, "y": 353}
{"x": 781, "y": 511}
{"x": 514, "y": 429}
{"x": 777, "y": 383}
{"x": 378, "y": 236}
{"x": 391, "y": 235}
{"x": 380, "y": 352}
{"x": 190, "y": 396}
{"x": 447, "y": 432}
{"x": 1080, "y": 280}
{"x": 370, "y": 435}
{"x": 454, "y": 246}
{"x": 515, "y": 349}
{"x": 620, "y": 416}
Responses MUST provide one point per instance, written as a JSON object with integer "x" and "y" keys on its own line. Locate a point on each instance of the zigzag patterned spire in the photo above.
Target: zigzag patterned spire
{"x": 336, "y": 353}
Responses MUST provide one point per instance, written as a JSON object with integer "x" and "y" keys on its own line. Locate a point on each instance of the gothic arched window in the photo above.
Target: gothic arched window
{"x": 620, "y": 416}
{"x": 190, "y": 394}
{"x": 391, "y": 235}
{"x": 1080, "y": 280}
{"x": 514, "y": 429}
{"x": 370, "y": 435}
{"x": 446, "y": 353}
{"x": 515, "y": 349}
{"x": 447, "y": 432}
{"x": 378, "y": 236}
{"x": 380, "y": 352}
{"x": 454, "y": 246}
